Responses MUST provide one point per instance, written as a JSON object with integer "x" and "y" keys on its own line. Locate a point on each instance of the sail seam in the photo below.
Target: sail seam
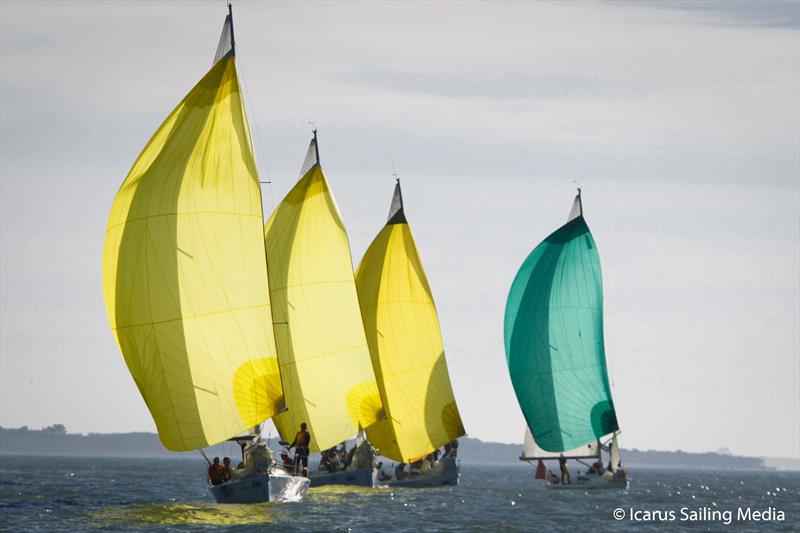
{"x": 307, "y": 284}
{"x": 202, "y": 315}
{"x": 570, "y": 369}
{"x": 182, "y": 213}
{"x": 326, "y": 354}
{"x": 389, "y": 302}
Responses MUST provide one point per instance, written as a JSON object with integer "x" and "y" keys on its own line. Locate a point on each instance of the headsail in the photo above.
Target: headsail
{"x": 406, "y": 345}
{"x": 554, "y": 340}
{"x": 322, "y": 349}
{"x": 184, "y": 271}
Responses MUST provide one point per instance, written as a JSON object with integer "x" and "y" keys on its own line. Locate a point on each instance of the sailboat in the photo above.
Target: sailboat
{"x": 594, "y": 477}
{"x": 405, "y": 343}
{"x": 324, "y": 357}
{"x": 185, "y": 284}
{"x": 556, "y": 355}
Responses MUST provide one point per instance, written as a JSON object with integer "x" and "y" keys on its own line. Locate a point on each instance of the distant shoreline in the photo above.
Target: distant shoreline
{"x": 56, "y": 441}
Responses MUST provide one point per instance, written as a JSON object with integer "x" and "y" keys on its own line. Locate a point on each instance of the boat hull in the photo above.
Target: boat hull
{"x": 619, "y": 482}
{"x": 444, "y": 473}
{"x": 262, "y": 488}
{"x": 359, "y": 478}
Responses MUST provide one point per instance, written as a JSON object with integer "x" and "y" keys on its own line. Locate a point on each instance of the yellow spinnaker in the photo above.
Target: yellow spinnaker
{"x": 322, "y": 350}
{"x": 406, "y": 346}
{"x": 184, "y": 272}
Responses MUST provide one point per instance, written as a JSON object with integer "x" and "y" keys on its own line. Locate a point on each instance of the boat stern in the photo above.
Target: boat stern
{"x": 287, "y": 488}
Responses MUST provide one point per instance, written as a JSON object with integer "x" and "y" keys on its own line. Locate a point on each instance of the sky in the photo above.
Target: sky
{"x": 680, "y": 121}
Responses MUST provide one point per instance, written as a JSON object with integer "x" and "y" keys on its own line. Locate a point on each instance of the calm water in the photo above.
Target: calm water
{"x": 114, "y": 494}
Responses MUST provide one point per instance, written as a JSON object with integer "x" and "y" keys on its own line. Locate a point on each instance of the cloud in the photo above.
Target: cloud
{"x": 765, "y": 13}
{"x": 682, "y": 126}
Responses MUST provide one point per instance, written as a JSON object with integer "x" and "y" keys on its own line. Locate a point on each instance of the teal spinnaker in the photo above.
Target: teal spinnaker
{"x": 554, "y": 341}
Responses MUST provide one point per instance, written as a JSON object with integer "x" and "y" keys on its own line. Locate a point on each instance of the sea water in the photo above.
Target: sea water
{"x": 129, "y": 494}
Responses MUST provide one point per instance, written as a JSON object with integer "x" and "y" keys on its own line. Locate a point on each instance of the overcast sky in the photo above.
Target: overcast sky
{"x": 680, "y": 120}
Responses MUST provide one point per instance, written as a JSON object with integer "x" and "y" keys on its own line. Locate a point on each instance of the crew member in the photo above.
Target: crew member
{"x": 302, "y": 441}
{"x": 226, "y": 464}
{"x": 381, "y": 475}
{"x": 562, "y": 462}
{"x": 216, "y": 472}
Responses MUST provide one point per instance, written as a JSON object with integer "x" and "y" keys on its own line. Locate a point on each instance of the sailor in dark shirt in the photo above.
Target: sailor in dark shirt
{"x": 302, "y": 441}
{"x": 216, "y": 473}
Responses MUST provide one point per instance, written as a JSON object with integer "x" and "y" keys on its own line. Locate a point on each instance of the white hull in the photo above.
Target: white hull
{"x": 278, "y": 486}
{"x": 359, "y": 478}
{"x": 594, "y": 482}
{"x": 443, "y": 473}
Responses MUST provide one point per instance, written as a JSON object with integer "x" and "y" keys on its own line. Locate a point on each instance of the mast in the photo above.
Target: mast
{"x": 316, "y": 145}
{"x": 577, "y": 207}
{"x": 396, "y": 213}
{"x": 233, "y": 41}
{"x": 312, "y": 155}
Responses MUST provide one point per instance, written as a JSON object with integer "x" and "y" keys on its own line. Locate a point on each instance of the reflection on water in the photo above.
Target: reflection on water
{"x": 336, "y": 494}
{"x": 186, "y": 514}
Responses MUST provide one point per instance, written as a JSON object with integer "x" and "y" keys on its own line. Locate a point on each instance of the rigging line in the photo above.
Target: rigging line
{"x": 258, "y": 133}
{"x": 185, "y": 459}
{"x": 205, "y": 478}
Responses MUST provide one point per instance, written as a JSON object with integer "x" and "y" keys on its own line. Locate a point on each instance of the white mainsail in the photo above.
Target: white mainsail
{"x": 531, "y": 451}
{"x": 615, "y": 459}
